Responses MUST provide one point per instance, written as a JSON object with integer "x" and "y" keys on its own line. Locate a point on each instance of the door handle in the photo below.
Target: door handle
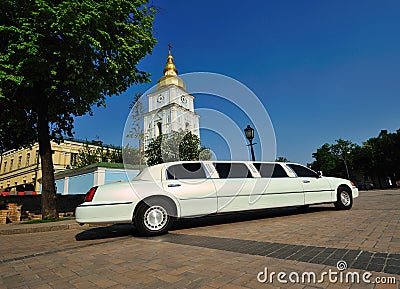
{"x": 306, "y": 181}
{"x": 174, "y": 185}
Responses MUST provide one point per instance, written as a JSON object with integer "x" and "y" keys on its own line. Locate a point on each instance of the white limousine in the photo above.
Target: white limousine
{"x": 164, "y": 192}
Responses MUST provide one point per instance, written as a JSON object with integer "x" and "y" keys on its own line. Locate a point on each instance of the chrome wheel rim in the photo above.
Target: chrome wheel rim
{"x": 345, "y": 198}
{"x": 155, "y": 218}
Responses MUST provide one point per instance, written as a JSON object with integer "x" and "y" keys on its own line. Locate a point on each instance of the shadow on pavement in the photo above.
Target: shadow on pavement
{"x": 122, "y": 230}
{"x": 212, "y": 220}
{"x": 114, "y": 231}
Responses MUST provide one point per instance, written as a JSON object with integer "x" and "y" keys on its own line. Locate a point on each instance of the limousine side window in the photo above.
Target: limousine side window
{"x": 232, "y": 170}
{"x": 186, "y": 171}
{"x": 303, "y": 172}
{"x": 270, "y": 170}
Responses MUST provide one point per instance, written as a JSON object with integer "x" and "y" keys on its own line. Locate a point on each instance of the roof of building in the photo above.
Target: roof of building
{"x": 93, "y": 167}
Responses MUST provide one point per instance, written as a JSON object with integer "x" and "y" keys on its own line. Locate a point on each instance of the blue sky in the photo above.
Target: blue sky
{"x": 323, "y": 69}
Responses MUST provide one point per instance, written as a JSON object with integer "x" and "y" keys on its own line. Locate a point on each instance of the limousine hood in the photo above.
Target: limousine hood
{"x": 336, "y": 182}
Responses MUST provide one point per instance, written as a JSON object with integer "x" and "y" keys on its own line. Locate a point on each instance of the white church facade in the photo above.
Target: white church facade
{"x": 171, "y": 108}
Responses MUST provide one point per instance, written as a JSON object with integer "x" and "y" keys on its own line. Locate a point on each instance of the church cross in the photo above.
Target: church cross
{"x": 169, "y": 48}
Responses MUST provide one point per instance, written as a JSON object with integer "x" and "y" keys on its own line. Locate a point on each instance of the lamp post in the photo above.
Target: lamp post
{"x": 249, "y": 132}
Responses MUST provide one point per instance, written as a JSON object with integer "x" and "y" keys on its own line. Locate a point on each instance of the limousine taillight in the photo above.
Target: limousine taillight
{"x": 90, "y": 194}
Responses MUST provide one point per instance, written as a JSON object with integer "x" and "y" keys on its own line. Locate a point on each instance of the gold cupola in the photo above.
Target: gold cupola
{"x": 170, "y": 74}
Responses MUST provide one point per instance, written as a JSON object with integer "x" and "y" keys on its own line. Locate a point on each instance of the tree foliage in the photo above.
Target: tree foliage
{"x": 282, "y": 159}
{"x": 380, "y": 156}
{"x": 135, "y": 155}
{"x": 176, "y": 146}
{"x": 132, "y": 156}
{"x": 325, "y": 160}
{"x": 90, "y": 154}
{"x": 377, "y": 157}
{"x": 57, "y": 60}
{"x": 153, "y": 152}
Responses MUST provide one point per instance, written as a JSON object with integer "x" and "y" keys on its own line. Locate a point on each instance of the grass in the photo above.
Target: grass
{"x": 45, "y": 221}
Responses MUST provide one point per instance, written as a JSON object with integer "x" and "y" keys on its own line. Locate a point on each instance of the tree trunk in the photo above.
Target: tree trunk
{"x": 49, "y": 210}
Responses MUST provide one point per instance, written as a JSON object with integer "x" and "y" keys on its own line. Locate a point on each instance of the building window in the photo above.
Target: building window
{"x": 11, "y": 164}
{"x": 28, "y": 158}
{"x": 19, "y": 162}
{"x": 5, "y": 167}
{"x": 73, "y": 159}
{"x": 37, "y": 157}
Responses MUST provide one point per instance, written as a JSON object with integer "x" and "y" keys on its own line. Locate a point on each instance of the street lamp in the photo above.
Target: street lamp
{"x": 249, "y": 132}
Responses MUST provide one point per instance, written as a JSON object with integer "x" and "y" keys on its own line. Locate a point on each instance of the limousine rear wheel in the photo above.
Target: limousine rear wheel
{"x": 344, "y": 199}
{"x": 153, "y": 217}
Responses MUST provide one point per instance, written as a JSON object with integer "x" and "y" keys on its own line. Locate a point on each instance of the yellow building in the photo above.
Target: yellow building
{"x": 21, "y": 169}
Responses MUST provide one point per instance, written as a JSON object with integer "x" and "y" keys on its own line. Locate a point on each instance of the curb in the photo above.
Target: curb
{"x": 44, "y": 228}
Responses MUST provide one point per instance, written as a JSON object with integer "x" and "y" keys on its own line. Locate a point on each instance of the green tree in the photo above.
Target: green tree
{"x": 380, "y": 156}
{"x": 90, "y": 154}
{"x": 363, "y": 159}
{"x": 132, "y": 156}
{"x": 87, "y": 156}
{"x": 377, "y": 158}
{"x": 334, "y": 160}
{"x": 112, "y": 154}
{"x": 57, "y": 60}
{"x": 136, "y": 131}
{"x": 282, "y": 160}
{"x": 205, "y": 154}
{"x": 178, "y": 145}
{"x": 343, "y": 149}
{"x": 153, "y": 152}
{"x": 325, "y": 161}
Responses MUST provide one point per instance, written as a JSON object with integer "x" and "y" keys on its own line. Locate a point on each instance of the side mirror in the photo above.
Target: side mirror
{"x": 319, "y": 173}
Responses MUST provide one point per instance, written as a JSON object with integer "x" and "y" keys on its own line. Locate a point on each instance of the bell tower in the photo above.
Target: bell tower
{"x": 171, "y": 108}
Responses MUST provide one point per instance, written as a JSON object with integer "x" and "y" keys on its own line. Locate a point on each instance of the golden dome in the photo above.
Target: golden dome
{"x": 170, "y": 75}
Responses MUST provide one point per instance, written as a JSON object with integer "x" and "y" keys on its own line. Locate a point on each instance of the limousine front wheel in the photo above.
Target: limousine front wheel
{"x": 153, "y": 217}
{"x": 344, "y": 199}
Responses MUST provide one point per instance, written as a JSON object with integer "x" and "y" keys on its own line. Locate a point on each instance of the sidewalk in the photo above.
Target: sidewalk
{"x": 19, "y": 228}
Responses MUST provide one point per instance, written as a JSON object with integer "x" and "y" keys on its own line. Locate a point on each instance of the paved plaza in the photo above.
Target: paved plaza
{"x": 230, "y": 251}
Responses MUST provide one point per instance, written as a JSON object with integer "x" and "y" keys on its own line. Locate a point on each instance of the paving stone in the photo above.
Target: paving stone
{"x": 392, "y": 270}
{"x": 393, "y": 262}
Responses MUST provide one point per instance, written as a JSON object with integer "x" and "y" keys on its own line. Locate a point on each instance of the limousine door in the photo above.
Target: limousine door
{"x": 195, "y": 192}
{"x": 233, "y": 186}
{"x": 316, "y": 189}
{"x": 278, "y": 189}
